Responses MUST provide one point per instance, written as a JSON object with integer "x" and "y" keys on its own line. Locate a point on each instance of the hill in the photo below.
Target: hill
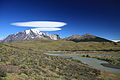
{"x": 86, "y": 38}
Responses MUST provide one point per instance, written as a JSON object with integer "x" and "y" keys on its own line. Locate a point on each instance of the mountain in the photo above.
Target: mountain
{"x": 86, "y": 38}
{"x": 32, "y": 34}
{"x": 0, "y": 40}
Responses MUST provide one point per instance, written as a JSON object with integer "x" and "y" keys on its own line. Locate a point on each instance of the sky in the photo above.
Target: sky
{"x": 97, "y": 17}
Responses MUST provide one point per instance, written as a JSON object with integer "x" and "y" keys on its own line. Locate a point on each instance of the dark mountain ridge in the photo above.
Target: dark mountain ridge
{"x": 86, "y": 38}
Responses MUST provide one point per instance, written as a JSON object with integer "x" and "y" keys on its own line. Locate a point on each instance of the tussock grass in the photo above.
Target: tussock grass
{"x": 24, "y": 63}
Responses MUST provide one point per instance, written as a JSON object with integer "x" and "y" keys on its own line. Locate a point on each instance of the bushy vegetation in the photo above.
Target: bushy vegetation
{"x": 24, "y": 61}
{"x": 114, "y": 60}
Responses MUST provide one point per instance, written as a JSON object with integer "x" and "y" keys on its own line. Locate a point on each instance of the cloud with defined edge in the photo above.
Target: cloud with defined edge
{"x": 47, "y": 24}
{"x": 47, "y": 29}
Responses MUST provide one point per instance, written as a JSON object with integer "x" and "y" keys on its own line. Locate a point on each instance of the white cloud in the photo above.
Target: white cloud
{"x": 47, "y": 29}
{"x": 115, "y": 40}
{"x": 40, "y": 24}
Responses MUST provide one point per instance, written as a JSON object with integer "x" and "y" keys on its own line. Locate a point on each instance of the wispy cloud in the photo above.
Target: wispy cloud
{"x": 40, "y": 24}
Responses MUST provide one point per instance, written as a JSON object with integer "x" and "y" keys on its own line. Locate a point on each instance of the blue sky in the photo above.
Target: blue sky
{"x": 97, "y": 17}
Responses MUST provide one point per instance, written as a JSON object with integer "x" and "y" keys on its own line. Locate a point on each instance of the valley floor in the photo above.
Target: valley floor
{"x": 24, "y": 60}
{"x": 21, "y": 64}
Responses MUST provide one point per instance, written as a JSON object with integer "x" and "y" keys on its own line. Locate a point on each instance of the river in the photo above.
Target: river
{"x": 90, "y": 61}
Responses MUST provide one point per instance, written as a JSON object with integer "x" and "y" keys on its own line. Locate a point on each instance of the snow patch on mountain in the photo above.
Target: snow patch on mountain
{"x": 32, "y": 34}
{"x": 27, "y": 31}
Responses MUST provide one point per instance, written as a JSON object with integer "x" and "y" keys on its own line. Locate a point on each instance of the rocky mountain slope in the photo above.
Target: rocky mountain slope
{"x": 35, "y": 34}
{"x": 32, "y": 34}
{"x": 86, "y": 38}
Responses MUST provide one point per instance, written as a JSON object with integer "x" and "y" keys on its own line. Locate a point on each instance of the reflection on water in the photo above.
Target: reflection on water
{"x": 90, "y": 61}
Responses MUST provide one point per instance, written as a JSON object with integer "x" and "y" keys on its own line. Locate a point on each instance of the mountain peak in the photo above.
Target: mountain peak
{"x": 86, "y": 38}
{"x": 32, "y": 34}
{"x": 36, "y": 31}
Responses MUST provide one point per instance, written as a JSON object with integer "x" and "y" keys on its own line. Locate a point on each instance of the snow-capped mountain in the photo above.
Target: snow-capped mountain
{"x": 34, "y": 34}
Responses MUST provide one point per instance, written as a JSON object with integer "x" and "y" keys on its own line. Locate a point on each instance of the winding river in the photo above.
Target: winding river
{"x": 90, "y": 61}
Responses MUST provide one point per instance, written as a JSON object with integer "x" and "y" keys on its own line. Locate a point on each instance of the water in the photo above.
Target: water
{"x": 90, "y": 61}
{"x": 104, "y": 55}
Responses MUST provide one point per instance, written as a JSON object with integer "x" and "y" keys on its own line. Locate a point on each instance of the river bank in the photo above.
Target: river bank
{"x": 110, "y": 65}
{"x": 106, "y": 72}
{"x": 111, "y": 57}
{"x": 84, "y": 52}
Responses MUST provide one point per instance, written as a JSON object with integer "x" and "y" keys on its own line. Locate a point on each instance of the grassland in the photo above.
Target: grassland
{"x": 24, "y": 64}
{"x": 63, "y": 45}
{"x": 24, "y": 60}
{"x": 114, "y": 60}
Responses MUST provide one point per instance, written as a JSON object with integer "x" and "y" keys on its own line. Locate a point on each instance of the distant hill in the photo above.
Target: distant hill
{"x": 0, "y": 40}
{"x": 86, "y": 38}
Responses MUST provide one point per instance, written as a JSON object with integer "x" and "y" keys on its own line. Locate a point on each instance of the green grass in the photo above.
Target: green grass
{"x": 114, "y": 60}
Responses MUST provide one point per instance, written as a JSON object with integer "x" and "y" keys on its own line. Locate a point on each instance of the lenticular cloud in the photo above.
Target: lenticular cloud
{"x": 47, "y": 29}
{"x": 47, "y": 24}
{"x": 41, "y": 25}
